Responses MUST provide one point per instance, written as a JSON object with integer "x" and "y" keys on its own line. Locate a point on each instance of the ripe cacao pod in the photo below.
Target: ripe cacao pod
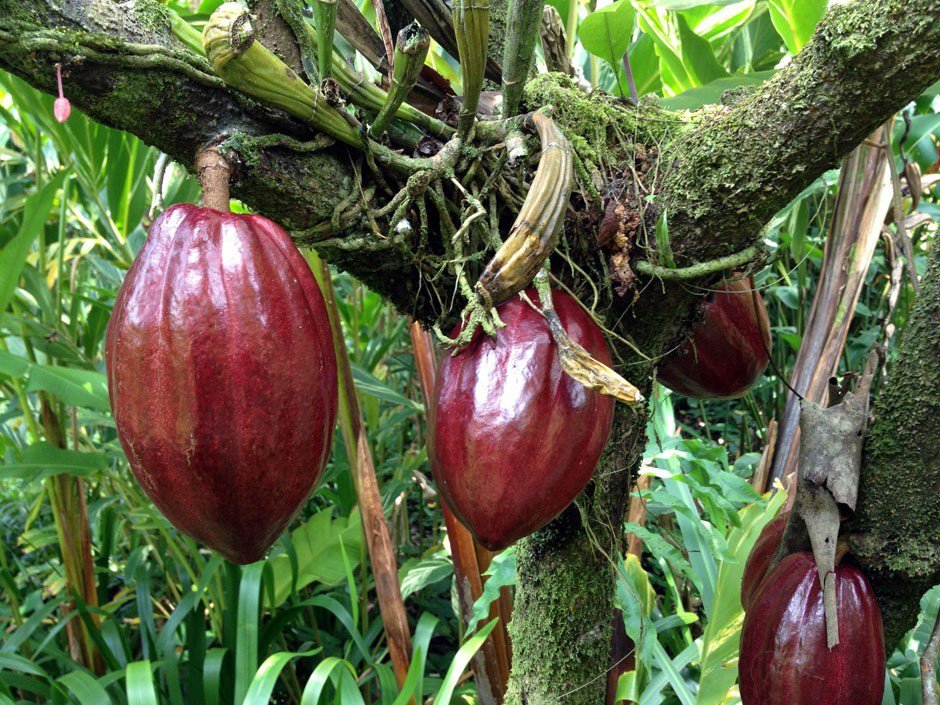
{"x": 758, "y": 562}
{"x": 513, "y": 438}
{"x": 222, "y": 377}
{"x": 784, "y": 658}
{"x": 728, "y": 349}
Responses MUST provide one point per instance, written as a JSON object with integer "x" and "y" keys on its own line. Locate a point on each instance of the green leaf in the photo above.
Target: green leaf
{"x": 644, "y": 63}
{"x": 367, "y": 383}
{"x": 795, "y": 20}
{"x": 698, "y": 55}
{"x": 13, "y": 256}
{"x": 607, "y": 32}
{"x": 317, "y": 552}
{"x": 460, "y": 662}
{"x": 70, "y": 386}
{"x": 85, "y": 688}
{"x": 501, "y": 573}
{"x": 246, "y": 638}
{"x": 262, "y": 685}
{"x": 12, "y": 365}
{"x": 42, "y": 460}
{"x": 711, "y": 92}
{"x": 318, "y": 679}
{"x": 424, "y": 572}
{"x": 140, "y": 686}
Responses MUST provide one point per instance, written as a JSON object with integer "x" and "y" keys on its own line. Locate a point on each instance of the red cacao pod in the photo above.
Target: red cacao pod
{"x": 784, "y": 658}
{"x": 755, "y": 570}
{"x": 222, "y": 377}
{"x": 728, "y": 349}
{"x": 513, "y": 438}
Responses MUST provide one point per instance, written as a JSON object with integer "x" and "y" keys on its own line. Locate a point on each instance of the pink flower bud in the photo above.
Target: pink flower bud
{"x": 61, "y": 108}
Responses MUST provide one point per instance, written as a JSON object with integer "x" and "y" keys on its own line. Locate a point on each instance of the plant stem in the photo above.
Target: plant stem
{"x": 411, "y": 49}
{"x": 324, "y": 13}
{"x": 472, "y": 28}
{"x": 522, "y": 27}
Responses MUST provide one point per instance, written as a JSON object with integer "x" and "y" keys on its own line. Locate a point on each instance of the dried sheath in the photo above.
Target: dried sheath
{"x": 538, "y": 226}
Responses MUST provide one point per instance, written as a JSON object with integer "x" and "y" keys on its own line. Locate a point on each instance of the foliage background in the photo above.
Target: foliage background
{"x": 176, "y": 624}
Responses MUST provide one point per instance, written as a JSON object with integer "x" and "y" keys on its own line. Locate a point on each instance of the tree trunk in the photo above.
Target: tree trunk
{"x": 896, "y": 530}
{"x": 561, "y": 626}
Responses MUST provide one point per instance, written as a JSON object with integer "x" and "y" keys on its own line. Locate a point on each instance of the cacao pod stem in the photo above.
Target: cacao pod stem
{"x": 213, "y": 172}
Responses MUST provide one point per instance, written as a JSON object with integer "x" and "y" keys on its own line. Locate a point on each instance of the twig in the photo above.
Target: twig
{"x": 898, "y": 212}
{"x": 928, "y": 666}
{"x": 701, "y": 269}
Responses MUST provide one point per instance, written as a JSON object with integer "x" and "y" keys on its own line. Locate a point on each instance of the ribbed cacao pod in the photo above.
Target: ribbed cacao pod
{"x": 222, "y": 377}
{"x": 728, "y": 349}
{"x": 758, "y": 562}
{"x": 784, "y": 658}
{"x": 513, "y": 438}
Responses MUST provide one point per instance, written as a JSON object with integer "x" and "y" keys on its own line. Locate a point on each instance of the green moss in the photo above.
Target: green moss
{"x": 152, "y": 16}
{"x": 896, "y": 530}
{"x": 561, "y": 624}
{"x": 597, "y": 124}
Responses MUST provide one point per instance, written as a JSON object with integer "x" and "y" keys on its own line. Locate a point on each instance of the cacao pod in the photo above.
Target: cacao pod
{"x": 755, "y": 570}
{"x": 728, "y": 349}
{"x": 784, "y": 658}
{"x": 222, "y": 377}
{"x": 513, "y": 438}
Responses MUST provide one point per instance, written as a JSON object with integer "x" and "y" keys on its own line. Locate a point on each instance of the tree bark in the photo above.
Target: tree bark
{"x": 726, "y": 170}
{"x": 561, "y": 625}
{"x": 896, "y": 530}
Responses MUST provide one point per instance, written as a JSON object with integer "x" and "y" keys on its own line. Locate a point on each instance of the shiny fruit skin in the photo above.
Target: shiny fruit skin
{"x": 222, "y": 377}
{"x": 513, "y": 438}
{"x": 784, "y": 658}
{"x": 755, "y": 570}
{"x": 728, "y": 349}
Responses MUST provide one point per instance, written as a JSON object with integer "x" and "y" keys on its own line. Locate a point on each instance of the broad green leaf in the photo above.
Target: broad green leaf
{"x": 13, "y": 255}
{"x": 644, "y": 63}
{"x": 42, "y": 460}
{"x": 318, "y": 553}
{"x": 140, "y": 685}
{"x": 698, "y": 55}
{"x": 501, "y": 573}
{"x": 676, "y": 681}
{"x": 12, "y": 365}
{"x": 71, "y": 386}
{"x": 425, "y": 572}
{"x": 722, "y": 635}
{"x": 85, "y": 688}
{"x": 318, "y": 679}
{"x": 711, "y": 92}
{"x": 607, "y": 32}
{"x": 795, "y": 20}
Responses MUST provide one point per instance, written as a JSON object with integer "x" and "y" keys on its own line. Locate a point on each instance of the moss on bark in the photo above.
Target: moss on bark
{"x": 561, "y": 625}
{"x": 896, "y": 530}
